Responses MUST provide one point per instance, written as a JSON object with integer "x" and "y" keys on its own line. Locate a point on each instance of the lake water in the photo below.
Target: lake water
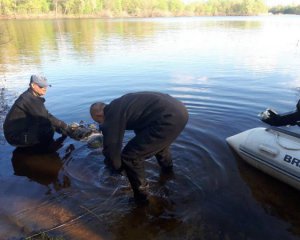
{"x": 225, "y": 69}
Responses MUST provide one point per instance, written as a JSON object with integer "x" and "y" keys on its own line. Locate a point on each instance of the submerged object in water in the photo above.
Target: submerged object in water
{"x": 275, "y": 151}
{"x": 95, "y": 140}
{"x": 87, "y": 133}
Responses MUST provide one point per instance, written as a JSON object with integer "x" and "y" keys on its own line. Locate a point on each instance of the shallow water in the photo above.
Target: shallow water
{"x": 225, "y": 70}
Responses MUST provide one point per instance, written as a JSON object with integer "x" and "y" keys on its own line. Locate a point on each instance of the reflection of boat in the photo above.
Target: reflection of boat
{"x": 276, "y": 198}
{"x": 273, "y": 150}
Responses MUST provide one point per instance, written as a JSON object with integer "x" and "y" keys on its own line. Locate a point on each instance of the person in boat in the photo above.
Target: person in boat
{"x": 272, "y": 118}
{"x": 156, "y": 119}
{"x": 28, "y": 123}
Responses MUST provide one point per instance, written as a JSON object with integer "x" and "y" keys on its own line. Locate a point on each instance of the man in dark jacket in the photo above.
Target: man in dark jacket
{"x": 156, "y": 118}
{"x": 28, "y": 123}
{"x": 272, "y": 118}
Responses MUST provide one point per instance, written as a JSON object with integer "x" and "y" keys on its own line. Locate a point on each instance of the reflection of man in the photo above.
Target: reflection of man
{"x": 156, "y": 118}
{"x": 42, "y": 167}
{"x": 28, "y": 122}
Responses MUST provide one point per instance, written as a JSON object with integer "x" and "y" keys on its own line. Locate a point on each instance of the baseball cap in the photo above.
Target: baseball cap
{"x": 39, "y": 80}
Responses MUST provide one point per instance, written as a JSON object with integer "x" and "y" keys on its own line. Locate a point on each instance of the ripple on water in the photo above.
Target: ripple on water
{"x": 186, "y": 188}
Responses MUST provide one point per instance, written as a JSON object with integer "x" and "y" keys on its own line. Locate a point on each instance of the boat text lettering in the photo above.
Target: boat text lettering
{"x": 292, "y": 160}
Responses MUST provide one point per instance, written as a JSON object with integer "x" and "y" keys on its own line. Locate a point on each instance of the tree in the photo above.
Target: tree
{"x": 176, "y": 6}
{"x": 137, "y": 7}
{"x": 32, "y": 6}
{"x": 6, "y": 7}
{"x": 162, "y": 5}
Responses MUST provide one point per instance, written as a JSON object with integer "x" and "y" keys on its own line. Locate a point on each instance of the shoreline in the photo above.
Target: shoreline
{"x": 110, "y": 16}
{"x": 103, "y": 16}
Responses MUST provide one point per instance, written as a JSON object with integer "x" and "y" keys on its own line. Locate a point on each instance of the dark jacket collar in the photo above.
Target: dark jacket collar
{"x": 29, "y": 90}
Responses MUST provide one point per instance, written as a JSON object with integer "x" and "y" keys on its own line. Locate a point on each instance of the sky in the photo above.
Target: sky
{"x": 282, "y": 2}
{"x": 268, "y": 2}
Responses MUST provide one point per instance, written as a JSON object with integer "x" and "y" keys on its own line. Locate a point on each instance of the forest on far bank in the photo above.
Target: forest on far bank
{"x": 285, "y": 10}
{"x": 136, "y": 8}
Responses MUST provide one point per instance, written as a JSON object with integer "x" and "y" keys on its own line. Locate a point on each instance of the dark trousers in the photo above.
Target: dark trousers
{"x": 154, "y": 140}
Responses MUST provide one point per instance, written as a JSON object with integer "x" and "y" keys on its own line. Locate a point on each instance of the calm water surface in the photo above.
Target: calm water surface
{"x": 226, "y": 70}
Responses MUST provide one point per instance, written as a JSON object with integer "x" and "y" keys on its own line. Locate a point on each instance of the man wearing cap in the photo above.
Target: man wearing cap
{"x": 28, "y": 123}
{"x": 156, "y": 118}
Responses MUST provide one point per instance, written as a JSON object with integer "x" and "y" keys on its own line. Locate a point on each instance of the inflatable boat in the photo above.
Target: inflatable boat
{"x": 273, "y": 150}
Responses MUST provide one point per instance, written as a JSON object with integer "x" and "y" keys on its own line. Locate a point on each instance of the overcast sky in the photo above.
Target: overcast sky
{"x": 281, "y": 2}
{"x": 268, "y": 2}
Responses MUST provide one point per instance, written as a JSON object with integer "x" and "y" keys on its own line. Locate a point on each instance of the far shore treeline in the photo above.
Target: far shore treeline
{"x": 129, "y": 8}
{"x": 136, "y": 8}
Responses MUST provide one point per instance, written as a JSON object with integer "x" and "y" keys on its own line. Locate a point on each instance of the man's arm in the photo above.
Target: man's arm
{"x": 112, "y": 145}
{"x": 290, "y": 118}
{"x": 37, "y": 109}
{"x": 113, "y": 131}
{"x": 60, "y": 126}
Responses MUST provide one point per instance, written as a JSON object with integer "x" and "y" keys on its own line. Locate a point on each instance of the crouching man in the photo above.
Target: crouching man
{"x": 156, "y": 118}
{"x": 28, "y": 123}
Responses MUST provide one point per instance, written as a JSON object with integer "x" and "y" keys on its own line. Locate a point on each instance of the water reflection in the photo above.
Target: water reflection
{"x": 225, "y": 70}
{"x": 40, "y": 167}
{"x": 4, "y": 108}
{"x": 234, "y": 24}
{"x": 277, "y": 198}
{"x": 26, "y": 40}
{"x": 147, "y": 222}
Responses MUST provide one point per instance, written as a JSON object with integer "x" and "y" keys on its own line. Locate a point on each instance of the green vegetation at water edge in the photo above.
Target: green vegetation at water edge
{"x": 285, "y": 10}
{"x": 135, "y": 8}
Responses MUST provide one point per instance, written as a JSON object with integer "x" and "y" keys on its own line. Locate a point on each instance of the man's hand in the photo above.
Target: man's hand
{"x": 74, "y": 131}
{"x": 79, "y": 133}
{"x": 269, "y": 116}
{"x": 62, "y": 128}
